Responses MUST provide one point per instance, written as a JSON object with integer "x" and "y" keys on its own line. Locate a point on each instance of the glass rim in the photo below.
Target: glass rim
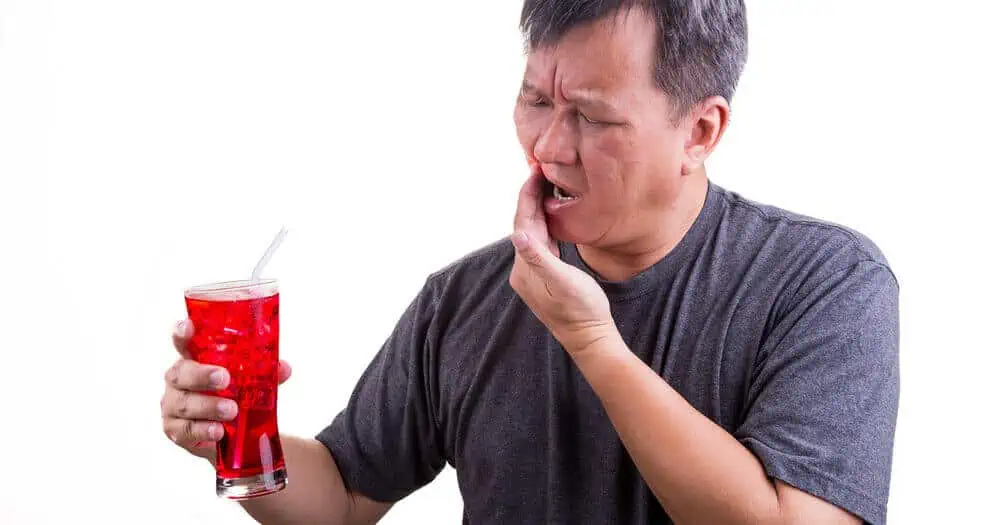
{"x": 209, "y": 290}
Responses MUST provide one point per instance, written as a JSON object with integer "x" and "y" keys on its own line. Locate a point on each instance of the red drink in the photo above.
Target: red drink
{"x": 236, "y": 326}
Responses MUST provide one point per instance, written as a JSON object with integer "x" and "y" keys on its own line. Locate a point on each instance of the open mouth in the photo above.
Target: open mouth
{"x": 558, "y": 192}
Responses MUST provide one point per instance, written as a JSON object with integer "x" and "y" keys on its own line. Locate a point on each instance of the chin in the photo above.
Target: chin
{"x": 571, "y": 233}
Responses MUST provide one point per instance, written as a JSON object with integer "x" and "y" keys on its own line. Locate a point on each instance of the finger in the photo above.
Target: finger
{"x": 186, "y": 374}
{"x": 191, "y": 405}
{"x": 183, "y": 331}
{"x": 535, "y": 254}
{"x": 284, "y": 371}
{"x": 188, "y": 432}
{"x": 530, "y": 214}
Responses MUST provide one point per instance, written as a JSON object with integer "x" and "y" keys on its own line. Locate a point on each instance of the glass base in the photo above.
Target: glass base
{"x": 251, "y": 486}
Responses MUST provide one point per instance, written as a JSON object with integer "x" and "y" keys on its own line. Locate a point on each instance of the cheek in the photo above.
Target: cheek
{"x": 527, "y": 132}
{"x": 660, "y": 182}
{"x": 628, "y": 183}
{"x": 607, "y": 160}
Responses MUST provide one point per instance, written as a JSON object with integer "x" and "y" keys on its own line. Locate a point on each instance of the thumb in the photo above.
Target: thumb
{"x": 536, "y": 254}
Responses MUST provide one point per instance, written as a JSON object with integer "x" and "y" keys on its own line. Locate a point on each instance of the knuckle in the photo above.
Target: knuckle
{"x": 183, "y": 407}
{"x": 171, "y": 375}
{"x": 188, "y": 430}
{"x": 179, "y": 374}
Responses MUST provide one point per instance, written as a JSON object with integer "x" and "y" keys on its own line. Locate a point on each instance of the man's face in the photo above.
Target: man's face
{"x": 591, "y": 115}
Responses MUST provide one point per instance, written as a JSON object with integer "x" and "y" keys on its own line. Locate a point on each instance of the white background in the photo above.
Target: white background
{"x": 148, "y": 146}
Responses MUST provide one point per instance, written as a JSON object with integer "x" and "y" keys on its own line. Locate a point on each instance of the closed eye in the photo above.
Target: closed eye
{"x": 594, "y": 122}
{"x": 537, "y": 101}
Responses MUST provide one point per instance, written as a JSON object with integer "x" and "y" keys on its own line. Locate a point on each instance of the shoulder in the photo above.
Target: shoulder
{"x": 795, "y": 239}
{"x": 480, "y": 277}
{"x": 495, "y": 257}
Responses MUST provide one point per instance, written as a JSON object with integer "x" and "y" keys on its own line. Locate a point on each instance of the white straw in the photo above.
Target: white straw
{"x": 255, "y": 276}
{"x": 241, "y": 427}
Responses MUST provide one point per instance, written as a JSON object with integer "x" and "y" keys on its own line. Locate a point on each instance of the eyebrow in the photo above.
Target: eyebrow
{"x": 582, "y": 97}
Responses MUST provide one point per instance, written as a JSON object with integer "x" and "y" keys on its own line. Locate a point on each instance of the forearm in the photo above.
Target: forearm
{"x": 698, "y": 472}
{"x": 315, "y": 493}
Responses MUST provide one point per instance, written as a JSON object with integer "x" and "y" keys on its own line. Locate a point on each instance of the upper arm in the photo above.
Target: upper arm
{"x": 386, "y": 441}
{"x": 798, "y": 507}
{"x": 364, "y": 510}
{"x": 821, "y": 406}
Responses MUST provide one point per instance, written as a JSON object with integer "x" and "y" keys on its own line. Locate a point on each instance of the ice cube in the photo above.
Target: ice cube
{"x": 233, "y": 331}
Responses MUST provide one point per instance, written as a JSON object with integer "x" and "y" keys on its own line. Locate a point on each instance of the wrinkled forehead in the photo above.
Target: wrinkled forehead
{"x": 613, "y": 52}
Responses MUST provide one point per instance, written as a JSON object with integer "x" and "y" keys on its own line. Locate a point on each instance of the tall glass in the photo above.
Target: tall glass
{"x": 236, "y": 327}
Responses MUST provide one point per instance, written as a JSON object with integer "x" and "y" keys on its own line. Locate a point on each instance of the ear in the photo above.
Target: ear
{"x": 709, "y": 119}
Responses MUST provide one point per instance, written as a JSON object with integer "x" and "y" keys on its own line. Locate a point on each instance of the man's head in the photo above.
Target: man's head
{"x": 621, "y": 102}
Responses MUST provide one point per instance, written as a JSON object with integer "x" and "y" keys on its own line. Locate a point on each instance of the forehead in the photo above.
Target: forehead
{"x": 613, "y": 52}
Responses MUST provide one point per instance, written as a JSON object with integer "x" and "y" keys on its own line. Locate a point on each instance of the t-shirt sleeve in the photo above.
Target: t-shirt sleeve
{"x": 822, "y": 403}
{"x": 385, "y": 441}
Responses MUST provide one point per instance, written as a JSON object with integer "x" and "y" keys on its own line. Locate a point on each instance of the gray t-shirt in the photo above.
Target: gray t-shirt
{"x": 780, "y": 328}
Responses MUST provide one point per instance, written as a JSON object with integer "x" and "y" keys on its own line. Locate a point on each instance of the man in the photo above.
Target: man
{"x": 647, "y": 347}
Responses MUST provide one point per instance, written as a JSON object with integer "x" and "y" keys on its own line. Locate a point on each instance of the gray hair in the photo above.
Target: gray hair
{"x": 701, "y": 46}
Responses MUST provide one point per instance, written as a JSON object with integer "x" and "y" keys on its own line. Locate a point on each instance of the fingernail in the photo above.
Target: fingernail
{"x": 215, "y": 432}
{"x": 218, "y": 378}
{"x": 227, "y": 410}
{"x": 520, "y": 240}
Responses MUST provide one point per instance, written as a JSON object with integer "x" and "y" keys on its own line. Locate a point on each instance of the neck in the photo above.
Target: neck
{"x": 620, "y": 262}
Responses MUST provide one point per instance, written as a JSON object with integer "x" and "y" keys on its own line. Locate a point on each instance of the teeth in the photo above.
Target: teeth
{"x": 558, "y": 193}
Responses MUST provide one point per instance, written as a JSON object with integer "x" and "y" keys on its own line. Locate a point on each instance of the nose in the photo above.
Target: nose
{"x": 556, "y": 143}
